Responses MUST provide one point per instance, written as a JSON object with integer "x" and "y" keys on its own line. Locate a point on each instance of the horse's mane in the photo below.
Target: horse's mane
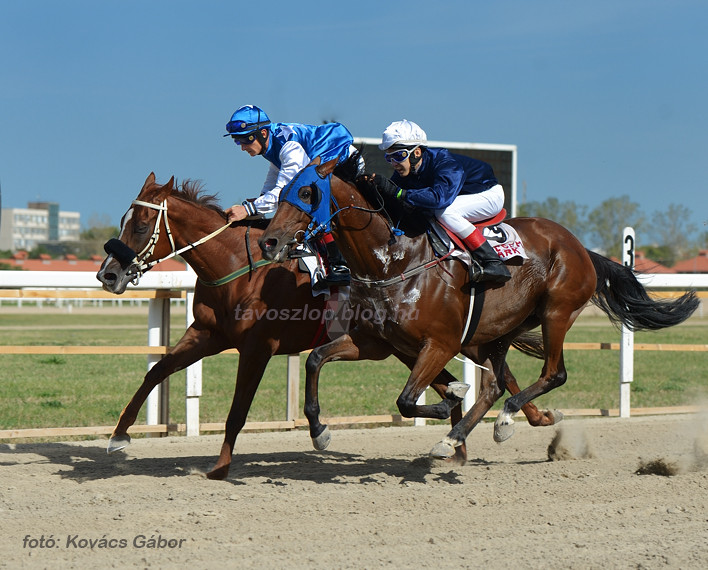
{"x": 193, "y": 191}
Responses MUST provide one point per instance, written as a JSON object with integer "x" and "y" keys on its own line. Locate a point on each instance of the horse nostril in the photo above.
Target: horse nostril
{"x": 109, "y": 278}
{"x": 270, "y": 244}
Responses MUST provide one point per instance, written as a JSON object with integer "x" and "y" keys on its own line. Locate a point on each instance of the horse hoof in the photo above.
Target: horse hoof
{"x": 321, "y": 442}
{"x": 442, "y": 450}
{"x": 557, "y": 416}
{"x": 503, "y": 430}
{"x": 218, "y": 473}
{"x": 118, "y": 442}
{"x": 457, "y": 390}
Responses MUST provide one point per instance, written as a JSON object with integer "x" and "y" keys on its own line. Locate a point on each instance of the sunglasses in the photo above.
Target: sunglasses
{"x": 399, "y": 155}
{"x": 244, "y": 139}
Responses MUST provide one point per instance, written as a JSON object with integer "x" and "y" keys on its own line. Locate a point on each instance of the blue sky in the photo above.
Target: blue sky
{"x": 602, "y": 98}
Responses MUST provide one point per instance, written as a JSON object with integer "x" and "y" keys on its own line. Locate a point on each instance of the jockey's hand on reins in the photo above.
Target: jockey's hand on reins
{"x": 388, "y": 188}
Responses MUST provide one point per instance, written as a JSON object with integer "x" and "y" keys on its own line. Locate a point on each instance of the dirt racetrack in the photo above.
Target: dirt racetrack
{"x": 372, "y": 500}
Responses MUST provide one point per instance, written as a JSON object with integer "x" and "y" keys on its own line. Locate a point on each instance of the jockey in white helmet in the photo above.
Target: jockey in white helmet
{"x": 458, "y": 190}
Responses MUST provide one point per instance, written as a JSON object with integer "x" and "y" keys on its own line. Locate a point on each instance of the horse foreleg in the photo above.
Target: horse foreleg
{"x": 354, "y": 346}
{"x": 194, "y": 345}
{"x": 491, "y": 389}
{"x": 249, "y": 375}
{"x": 447, "y": 387}
{"x": 428, "y": 365}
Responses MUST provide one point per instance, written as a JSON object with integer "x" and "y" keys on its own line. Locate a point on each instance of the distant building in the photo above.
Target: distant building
{"x": 69, "y": 262}
{"x": 39, "y": 223}
{"x": 698, "y": 264}
{"x": 645, "y": 265}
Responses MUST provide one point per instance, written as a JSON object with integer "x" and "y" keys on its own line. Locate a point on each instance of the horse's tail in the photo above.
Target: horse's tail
{"x": 625, "y": 301}
{"x": 530, "y": 344}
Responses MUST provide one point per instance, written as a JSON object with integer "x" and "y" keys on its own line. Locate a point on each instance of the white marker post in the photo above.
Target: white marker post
{"x": 157, "y": 404}
{"x": 627, "y": 340}
{"x": 472, "y": 376}
{"x": 193, "y": 379}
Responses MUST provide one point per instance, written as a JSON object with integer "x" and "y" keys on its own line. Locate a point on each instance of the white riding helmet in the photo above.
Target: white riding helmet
{"x": 403, "y": 133}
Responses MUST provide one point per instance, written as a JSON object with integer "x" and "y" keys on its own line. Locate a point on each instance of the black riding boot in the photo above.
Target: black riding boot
{"x": 491, "y": 269}
{"x": 338, "y": 272}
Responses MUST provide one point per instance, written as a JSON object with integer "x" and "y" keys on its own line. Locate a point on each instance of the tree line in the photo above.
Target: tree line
{"x": 664, "y": 236}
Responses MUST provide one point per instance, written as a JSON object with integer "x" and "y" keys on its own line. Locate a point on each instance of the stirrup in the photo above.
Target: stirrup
{"x": 479, "y": 275}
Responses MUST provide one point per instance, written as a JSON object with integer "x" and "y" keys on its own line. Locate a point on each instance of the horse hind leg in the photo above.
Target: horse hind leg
{"x": 503, "y": 426}
{"x": 552, "y": 376}
{"x": 534, "y": 416}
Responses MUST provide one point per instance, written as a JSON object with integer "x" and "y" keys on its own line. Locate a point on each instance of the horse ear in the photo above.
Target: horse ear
{"x": 325, "y": 169}
{"x": 149, "y": 181}
{"x": 166, "y": 189}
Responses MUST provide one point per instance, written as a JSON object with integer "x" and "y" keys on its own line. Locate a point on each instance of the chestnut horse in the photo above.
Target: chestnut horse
{"x": 235, "y": 285}
{"x": 394, "y": 274}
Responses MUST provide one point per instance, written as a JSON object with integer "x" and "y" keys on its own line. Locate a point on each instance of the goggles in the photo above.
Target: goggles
{"x": 246, "y": 139}
{"x": 399, "y": 155}
{"x": 243, "y": 129}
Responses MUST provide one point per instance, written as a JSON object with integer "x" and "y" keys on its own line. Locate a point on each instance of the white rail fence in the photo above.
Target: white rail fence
{"x": 162, "y": 287}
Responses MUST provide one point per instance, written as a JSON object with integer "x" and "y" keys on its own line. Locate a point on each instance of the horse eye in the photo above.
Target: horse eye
{"x": 305, "y": 194}
{"x": 140, "y": 229}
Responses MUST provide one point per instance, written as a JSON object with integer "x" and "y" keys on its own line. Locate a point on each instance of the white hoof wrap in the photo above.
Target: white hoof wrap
{"x": 445, "y": 449}
{"x": 457, "y": 390}
{"x": 503, "y": 427}
{"x": 321, "y": 442}
{"x": 117, "y": 443}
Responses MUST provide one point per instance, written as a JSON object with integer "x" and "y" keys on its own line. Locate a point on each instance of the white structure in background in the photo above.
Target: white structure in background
{"x": 39, "y": 222}
{"x": 627, "y": 345}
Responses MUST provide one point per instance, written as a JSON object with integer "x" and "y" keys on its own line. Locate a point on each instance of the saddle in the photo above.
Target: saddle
{"x": 442, "y": 240}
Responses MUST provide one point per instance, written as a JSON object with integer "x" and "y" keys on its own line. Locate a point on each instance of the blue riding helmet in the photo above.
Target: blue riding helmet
{"x": 245, "y": 120}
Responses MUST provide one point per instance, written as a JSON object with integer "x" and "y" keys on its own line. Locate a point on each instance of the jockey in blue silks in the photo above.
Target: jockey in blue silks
{"x": 458, "y": 190}
{"x": 289, "y": 147}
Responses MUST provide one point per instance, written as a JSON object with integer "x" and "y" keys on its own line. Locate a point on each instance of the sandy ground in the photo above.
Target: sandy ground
{"x": 372, "y": 500}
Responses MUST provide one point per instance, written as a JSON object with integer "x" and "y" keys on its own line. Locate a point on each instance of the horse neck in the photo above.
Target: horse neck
{"x": 216, "y": 257}
{"x": 366, "y": 239}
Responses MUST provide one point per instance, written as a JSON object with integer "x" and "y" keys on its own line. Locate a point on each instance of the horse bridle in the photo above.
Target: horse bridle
{"x": 316, "y": 227}
{"x": 312, "y": 210}
{"x": 137, "y": 262}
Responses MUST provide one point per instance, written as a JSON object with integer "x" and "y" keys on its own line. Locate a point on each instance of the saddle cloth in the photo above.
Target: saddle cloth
{"x": 501, "y": 236}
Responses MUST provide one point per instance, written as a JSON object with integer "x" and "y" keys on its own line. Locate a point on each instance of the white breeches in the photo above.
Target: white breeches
{"x": 468, "y": 208}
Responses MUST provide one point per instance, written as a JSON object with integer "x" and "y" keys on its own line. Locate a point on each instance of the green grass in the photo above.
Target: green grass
{"x": 87, "y": 390}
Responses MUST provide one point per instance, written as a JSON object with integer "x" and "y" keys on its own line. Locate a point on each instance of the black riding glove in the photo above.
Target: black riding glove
{"x": 388, "y": 188}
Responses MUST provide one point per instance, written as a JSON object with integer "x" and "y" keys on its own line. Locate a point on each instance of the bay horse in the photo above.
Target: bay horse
{"x": 393, "y": 274}
{"x": 233, "y": 277}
